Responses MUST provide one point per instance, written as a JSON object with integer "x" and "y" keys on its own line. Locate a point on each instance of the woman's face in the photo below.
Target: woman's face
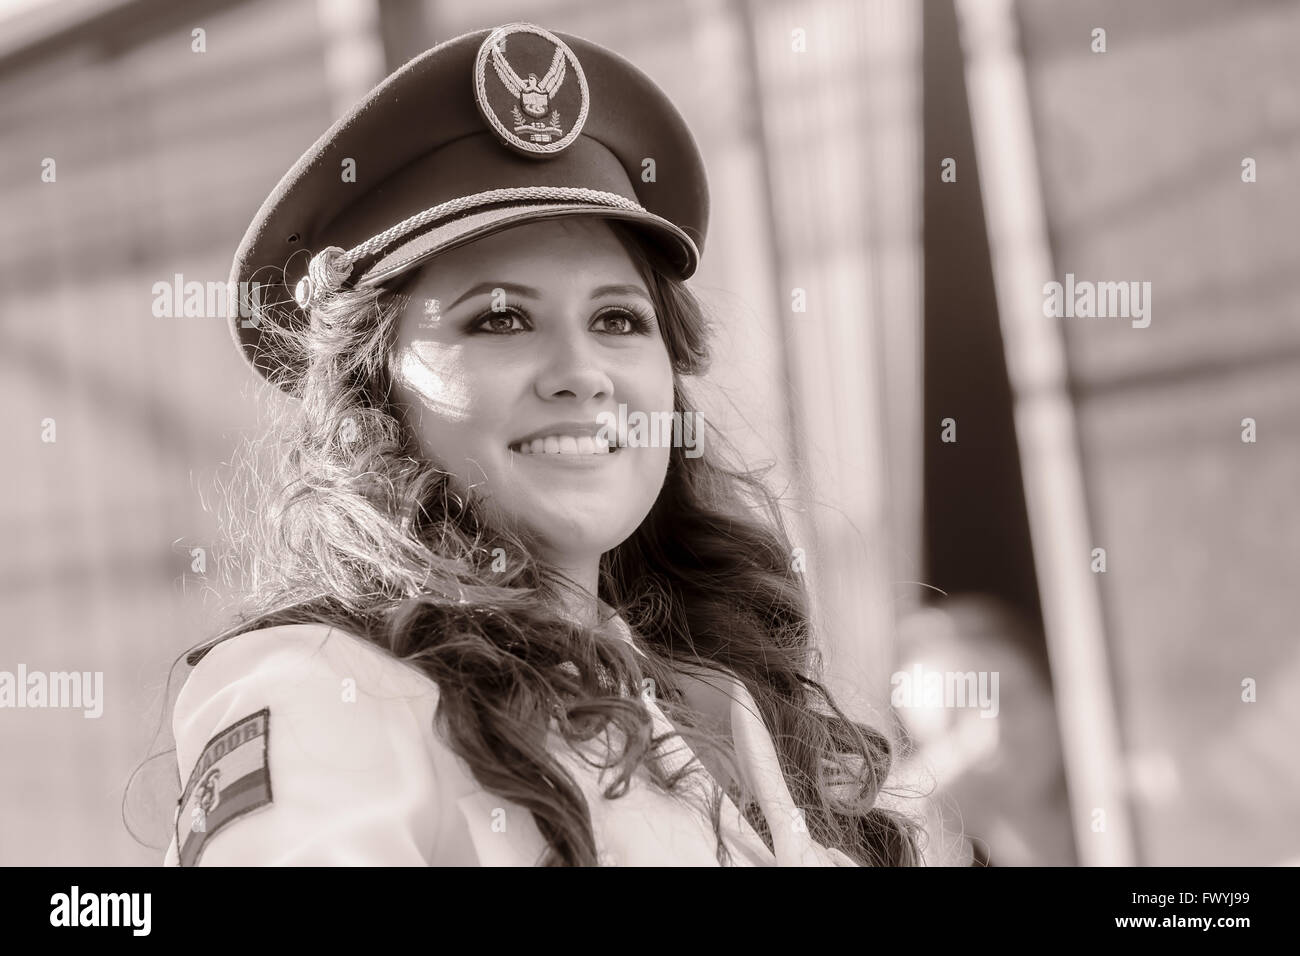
{"x": 527, "y": 335}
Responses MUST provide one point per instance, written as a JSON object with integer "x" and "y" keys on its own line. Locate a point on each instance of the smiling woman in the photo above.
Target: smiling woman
{"x": 537, "y": 366}
{"x": 480, "y": 634}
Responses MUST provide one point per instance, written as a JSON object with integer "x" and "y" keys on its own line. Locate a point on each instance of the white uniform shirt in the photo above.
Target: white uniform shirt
{"x": 318, "y": 748}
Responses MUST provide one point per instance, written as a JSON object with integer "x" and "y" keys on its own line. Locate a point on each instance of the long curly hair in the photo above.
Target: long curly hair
{"x": 345, "y": 523}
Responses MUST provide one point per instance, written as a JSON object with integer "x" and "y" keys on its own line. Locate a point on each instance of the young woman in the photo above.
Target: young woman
{"x": 491, "y": 624}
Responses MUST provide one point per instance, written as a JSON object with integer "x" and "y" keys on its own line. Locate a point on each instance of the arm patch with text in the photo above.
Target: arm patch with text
{"x": 232, "y": 777}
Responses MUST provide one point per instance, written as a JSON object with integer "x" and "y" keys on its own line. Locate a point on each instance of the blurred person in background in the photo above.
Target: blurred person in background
{"x": 992, "y": 753}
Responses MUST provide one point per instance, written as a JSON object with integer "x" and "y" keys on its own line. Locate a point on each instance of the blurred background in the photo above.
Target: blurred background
{"x": 1057, "y": 555}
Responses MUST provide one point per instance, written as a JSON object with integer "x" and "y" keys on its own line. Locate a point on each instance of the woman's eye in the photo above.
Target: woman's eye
{"x": 621, "y": 322}
{"x": 501, "y": 323}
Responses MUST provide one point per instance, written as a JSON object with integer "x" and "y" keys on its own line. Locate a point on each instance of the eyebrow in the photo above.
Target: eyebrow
{"x": 529, "y": 292}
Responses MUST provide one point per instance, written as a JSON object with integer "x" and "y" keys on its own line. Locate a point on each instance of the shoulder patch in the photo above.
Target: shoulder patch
{"x": 232, "y": 777}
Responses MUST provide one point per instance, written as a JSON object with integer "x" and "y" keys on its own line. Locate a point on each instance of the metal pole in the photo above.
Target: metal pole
{"x": 1046, "y": 431}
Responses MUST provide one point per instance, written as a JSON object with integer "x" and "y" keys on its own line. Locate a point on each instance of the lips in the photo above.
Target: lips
{"x": 565, "y": 438}
{"x": 564, "y": 445}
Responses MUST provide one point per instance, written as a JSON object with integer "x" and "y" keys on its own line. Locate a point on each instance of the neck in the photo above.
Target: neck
{"x": 578, "y": 600}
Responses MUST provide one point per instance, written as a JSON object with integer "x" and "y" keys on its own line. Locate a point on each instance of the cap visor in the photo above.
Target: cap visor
{"x": 418, "y": 249}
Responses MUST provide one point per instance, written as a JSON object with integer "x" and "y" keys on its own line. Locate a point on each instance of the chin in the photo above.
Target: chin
{"x": 575, "y": 532}
{"x": 575, "y": 539}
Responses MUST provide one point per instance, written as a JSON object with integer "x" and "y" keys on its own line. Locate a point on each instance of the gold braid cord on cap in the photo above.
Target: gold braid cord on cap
{"x": 332, "y": 266}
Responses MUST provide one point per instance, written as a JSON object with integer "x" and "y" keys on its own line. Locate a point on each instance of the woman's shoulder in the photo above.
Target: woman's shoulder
{"x": 303, "y": 655}
{"x": 328, "y": 736}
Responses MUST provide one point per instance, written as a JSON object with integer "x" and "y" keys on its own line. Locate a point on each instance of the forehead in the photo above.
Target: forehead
{"x": 572, "y": 249}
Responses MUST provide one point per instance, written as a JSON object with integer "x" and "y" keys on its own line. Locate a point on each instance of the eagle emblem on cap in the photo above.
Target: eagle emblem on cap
{"x": 534, "y": 95}
{"x": 535, "y": 124}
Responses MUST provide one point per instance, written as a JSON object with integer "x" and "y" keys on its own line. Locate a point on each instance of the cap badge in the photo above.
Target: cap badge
{"x": 536, "y": 117}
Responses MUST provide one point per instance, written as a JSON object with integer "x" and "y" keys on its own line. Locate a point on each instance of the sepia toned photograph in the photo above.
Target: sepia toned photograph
{"x": 835, "y": 433}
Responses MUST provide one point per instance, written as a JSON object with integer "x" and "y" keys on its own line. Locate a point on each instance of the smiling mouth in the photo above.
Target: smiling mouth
{"x": 571, "y": 445}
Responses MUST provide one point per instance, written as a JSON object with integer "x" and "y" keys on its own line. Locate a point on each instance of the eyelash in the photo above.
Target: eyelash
{"x": 640, "y": 320}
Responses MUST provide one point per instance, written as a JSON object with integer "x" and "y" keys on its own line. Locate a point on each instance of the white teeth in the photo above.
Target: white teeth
{"x": 564, "y": 445}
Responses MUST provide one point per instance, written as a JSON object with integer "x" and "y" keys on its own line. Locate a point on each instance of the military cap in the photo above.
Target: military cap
{"x": 485, "y": 131}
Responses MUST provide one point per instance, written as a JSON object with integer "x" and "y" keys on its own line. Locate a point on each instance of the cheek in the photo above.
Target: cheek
{"x": 454, "y": 410}
{"x": 651, "y": 389}
{"x": 435, "y": 381}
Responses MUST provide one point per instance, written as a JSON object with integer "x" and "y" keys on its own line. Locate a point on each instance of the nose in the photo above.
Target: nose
{"x": 572, "y": 368}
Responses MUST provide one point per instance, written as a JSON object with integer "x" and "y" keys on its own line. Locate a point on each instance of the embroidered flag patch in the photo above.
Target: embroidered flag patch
{"x": 231, "y": 778}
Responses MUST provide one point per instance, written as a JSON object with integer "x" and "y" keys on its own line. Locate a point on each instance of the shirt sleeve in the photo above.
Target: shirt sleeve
{"x": 304, "y": 745}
